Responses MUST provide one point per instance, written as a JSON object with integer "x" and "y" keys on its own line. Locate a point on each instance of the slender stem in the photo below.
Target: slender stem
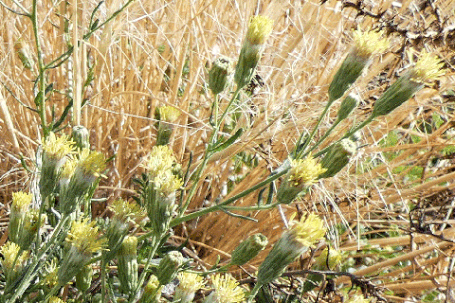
{"x": 14, "y": 11}
{"x": 103, "y": 281}
{"x": 52, "y": 292}
{"x": 348, "y": 134}
{"x": 216, "y": 207}
{"x": 308, "y": 141}
{"x": 327, "y": 133}
{"x": 234, "y": 97}
{"x": 252, "y": 208}
{"x": 254, "y": 292}
{"x": 41, "y": 70}
{"x": 20, "y": 6}
{"x": 208, "y": 153}
{"x": 155, "y": 243}
{"x": 92, "y": 30}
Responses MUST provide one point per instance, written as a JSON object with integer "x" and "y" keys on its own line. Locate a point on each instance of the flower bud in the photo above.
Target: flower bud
{"x": 303, "y": 174}
{"x": 220, "y": 75}
{"x": 167, "y": 115}
{"x": 248, "y": 249}
{"x": 152, "y": 291}
{"x": 84, "y": 278}
{"x": 54, "y": 155}
{"x": 189, "y": 283}
{"x": 23, "y": 52}
{"x": 347, "y": 106}
{"x": 365, "y": 45}
{"x": 259, "y": 30}
{"x": 32, "y": 224}
{"x": 168, "y": 267}
{"x": 337, "y": 157}
{"x": 19, "y": 207}
{"x": 125, "y": 213}
{"x": 293, "y": 242}
{"x": 81, "y": 137}
{"x": 427, "y": 68}
{"x": 127, "y": 264}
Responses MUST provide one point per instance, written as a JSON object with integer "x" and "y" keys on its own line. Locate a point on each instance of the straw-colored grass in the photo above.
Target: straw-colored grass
{"x": 157, "y": 53}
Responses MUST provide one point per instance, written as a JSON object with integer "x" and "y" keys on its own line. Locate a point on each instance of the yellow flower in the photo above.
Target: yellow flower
{"x": 305, "y": 172}
{"x": 68, "y": 168}
{"x": 367, "y": 43}
{"x": 57, "y": 148}
{"x": 227, "y": 290}
{"x": 160, "y": 160}
{"x": 152, "y": 290}
{"x": 91, "y": 163}
{"x": 55, "y": 300}
{"x": 123, "y": 209}
{"x": 84, "y": 236}
{"x": 308, "y": 231}
{"x": 168, "y": 113}
{"x": 21, "y": 202}
{"x": 334, "y": 259}
{"x": 259, "y": 29}
{"x": 190, "y": 282}
{"x": 9, "y": 252}
{"x": 168, "y": 183}
{"x": 50, "y": 279}
{"x": 427, "y": 68}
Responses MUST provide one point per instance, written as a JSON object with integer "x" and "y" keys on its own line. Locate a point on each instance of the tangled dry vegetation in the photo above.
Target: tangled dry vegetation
{"x": 392, "y": 207}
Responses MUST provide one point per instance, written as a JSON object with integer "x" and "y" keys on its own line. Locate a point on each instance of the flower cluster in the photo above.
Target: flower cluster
{"x": 160, "y": 165}
{"x": 83, "y": 241}
{"x": 159, "y": 192}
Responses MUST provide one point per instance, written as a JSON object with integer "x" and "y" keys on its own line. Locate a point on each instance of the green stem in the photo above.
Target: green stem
{"x": 327, "y": 133}
{"x": 301, "y": 153}
{"x": 41, "y": 69}
{"x": 52, "y": 292}
{"x": 252, "y": 208}
{"x": 348, "y": 134}
{"x": 134, "y": 293}
{"x": 92, "y": 30}
{"x": 208, "y": 153}
{"x": 216, "y": 207}
{"x": 103, "y": 281}
{"x": 254, "y": 292}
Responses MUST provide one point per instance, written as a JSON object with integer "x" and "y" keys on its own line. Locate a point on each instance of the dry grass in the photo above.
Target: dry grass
{"x": 157, "y": 48}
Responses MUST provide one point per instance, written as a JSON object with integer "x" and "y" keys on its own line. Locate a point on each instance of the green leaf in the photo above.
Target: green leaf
{"x": 228, "y": 142}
